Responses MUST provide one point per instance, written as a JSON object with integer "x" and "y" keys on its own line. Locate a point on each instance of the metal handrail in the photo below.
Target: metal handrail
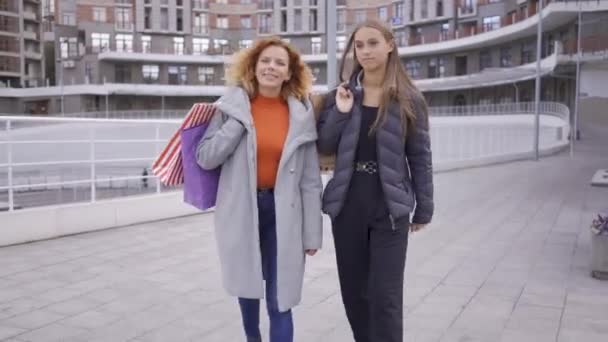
{"x": 16, "y": 127}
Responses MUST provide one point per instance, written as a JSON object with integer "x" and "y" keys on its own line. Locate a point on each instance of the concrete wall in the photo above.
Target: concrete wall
{"x": 593, "y": 81}
{"x": 55, "y": 221}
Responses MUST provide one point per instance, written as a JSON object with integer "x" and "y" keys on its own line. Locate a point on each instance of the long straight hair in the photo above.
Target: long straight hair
{"x": 397, "y": 85}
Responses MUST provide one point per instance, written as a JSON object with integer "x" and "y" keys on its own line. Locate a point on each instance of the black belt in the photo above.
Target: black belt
{"x": 266, "y": 191}
{"x": 370, "y": 167}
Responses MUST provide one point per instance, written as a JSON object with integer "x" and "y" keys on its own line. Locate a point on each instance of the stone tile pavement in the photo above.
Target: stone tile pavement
{"x": 506, "y": 259}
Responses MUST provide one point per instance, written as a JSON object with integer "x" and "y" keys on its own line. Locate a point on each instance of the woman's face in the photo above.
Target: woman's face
{"x": 371, "y": 49}
{"x": 272, "y": 68}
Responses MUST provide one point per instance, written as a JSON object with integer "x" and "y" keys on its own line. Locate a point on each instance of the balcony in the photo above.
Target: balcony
{"x": 27, "y": 15}
{"x": 265, "y": 5}
{"x": 200, "y": 4}
{"x": 512, "y": 26}
{"x": 30, "y": 35}
{"x": 33, "y": 55}
{"x": 124, "y": 2}
{"x": 123, "y": 26}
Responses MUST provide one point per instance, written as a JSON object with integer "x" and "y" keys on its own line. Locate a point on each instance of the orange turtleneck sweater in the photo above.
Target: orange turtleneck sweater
{"x": 271, "y": 121}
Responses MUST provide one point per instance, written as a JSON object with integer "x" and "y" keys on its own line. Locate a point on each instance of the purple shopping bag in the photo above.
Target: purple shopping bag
{"x": 200, "y": 186}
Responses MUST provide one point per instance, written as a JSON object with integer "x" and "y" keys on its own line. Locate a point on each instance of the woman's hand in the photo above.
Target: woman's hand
{"x": 344, "y": 99}
{"x": 311, "y": 252}
{"x": 415, "y": 227}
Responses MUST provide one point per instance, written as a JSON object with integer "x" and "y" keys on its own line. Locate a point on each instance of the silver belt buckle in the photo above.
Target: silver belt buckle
{"x": 370, "y": 167}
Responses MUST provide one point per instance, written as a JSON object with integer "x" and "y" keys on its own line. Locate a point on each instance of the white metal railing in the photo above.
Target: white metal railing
{"x": 55, "y": 160}
{"x": 548, "y": 108}
{"x": 474, "y": 134}
{"x": 44, "y": 159}
{"x": 131, "y": 114}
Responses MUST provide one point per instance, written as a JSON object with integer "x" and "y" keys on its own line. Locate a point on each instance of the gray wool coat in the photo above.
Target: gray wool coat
{"x": 230, "y": 142}
{"x": 405, "y": 165}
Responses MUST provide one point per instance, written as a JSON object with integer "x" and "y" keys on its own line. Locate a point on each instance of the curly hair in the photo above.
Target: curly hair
{"x": 242, "y": 70}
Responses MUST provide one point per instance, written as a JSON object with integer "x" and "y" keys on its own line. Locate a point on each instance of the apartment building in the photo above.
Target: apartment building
{"x": 21, "y": 57}
{"x": 152, "y": 54}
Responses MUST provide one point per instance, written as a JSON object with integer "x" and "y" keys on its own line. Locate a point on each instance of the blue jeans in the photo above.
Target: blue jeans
{"x": 281, "y": 323}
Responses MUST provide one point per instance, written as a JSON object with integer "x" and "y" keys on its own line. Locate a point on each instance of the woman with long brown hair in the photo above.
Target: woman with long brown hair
{"x": 376, "y": 124}
{"x": 268, "y": 208}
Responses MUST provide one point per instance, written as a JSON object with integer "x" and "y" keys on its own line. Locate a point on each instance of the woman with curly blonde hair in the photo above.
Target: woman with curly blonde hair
{"x": 268, "y": 209}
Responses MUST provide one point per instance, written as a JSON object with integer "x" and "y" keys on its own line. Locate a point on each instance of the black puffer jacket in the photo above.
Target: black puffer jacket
{"x": 338, "y": 134}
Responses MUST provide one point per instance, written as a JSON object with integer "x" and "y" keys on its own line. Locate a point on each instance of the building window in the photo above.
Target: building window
{"x": 205, "y": 75}
{"x": 412, "y": 10}
{"x": 88, "y": 72}
{"x": 122, "y": 73}
{"x": 99, "y": 14}
{"x": 527, "y": 53}
{"x": 383, "y": 14}
{"x": 444, "y": 33}
{"x": 491, "y": 23}
{"x": 124, "y": 43}
{"x": 505, "y": 57}
{"x": 221, "y": 22}
{"x": 200, "y": 46}
{"x": 265, "y": 23}
{"x": 360, "y": 16}
{"x": 179, "y": 20}
{"x": 485, "y": 59}
{"x": 178, "y": 45}
{"x": 413, "y": 68}
{"x": 178, "y": 75}
{"x": 245, "y": 43}
{"x": 401, "y": 38}
{"x": 461, "y": 65}
{"x": 68, "y": 18}
{"x": 315, "y": 45}
{"x": 341, "y": 43}
{"x": 316, "y": 73}
{"x": 150, "y": 73}
{"x": 100, "y": 42}
{"x": 314, "y": 24}
{"x": 146, "y": 44}
{"x": 69, "y": 47}
{"x": 164, "y": 19}
{"x": 284, "y": 21}
{"x": 200, "y": 23}
{"x": 436, "y": 67}
{"x": 398, "y": 13}
{"x": 297, "y": 20}
{"x": 221, "y": 45}
{"x": 424, "y": 9}
{"x": 341, "y": 21}
{"x": 123, "y": 18}
{"x": 439, "y": 8}
{"x": 246, "y": 21}
{"x": 147, "y": 18}
{"x": 467, "y": 6}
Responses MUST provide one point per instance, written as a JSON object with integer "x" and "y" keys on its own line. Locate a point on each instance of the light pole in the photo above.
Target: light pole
{"x": 539, "y": 40}
{"x": 331, "y": 12}
{"x": 60, "y": 60}
{"x": 579, "y": 54}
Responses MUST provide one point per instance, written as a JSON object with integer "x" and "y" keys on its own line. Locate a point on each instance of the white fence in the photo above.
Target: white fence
{"x": 46, "y": 161}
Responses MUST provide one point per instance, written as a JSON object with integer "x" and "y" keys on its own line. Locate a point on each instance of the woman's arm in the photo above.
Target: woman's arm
{"x": 419, "y": 156}
{"x": 330, "y": 125}
{"x": 219, "y": 142}
{"x": 311, "y": 188}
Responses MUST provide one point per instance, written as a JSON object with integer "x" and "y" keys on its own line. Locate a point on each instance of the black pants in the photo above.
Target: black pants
{"x": 370, "y": 254}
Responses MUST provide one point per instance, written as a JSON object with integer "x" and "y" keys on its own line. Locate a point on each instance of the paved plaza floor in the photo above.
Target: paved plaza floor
{"x": 506, "y": 259}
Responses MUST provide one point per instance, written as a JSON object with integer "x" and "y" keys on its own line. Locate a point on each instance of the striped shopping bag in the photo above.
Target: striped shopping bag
{"x": 168, "y": 166}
